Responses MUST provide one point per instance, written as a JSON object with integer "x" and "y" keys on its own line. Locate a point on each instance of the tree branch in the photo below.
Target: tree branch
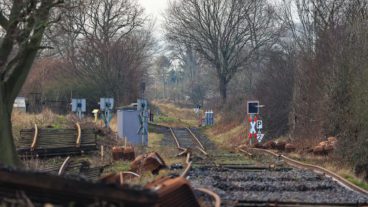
{"x": 4, "y": 22}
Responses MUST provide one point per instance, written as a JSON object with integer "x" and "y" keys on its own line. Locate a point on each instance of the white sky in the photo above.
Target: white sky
{"x": 155, "y": 9}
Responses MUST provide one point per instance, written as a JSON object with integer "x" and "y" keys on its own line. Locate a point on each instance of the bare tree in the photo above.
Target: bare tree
{"x": 106, "y": 46}
{"x": 275, "y": 89}
{"x": 226, "y": 33}
{"x": 315, "y": 33}
{"x": 161, "y": 66}
{"x": 23, "y": 24}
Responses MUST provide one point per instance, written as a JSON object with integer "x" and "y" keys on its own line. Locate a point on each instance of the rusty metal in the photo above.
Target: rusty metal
{"x": 148, "y": 162}
{"x": 215, "y": 197}
{"x": 186, "y": 170}
{"x": 123, "y": 153}
{"x": 176, "y": 139}
{"x": 195, "y": 138}
{"x": 202, "y": 150}
{"x": 184, "y": 152}
{"x": 173, "y": 192}
{"x": 33, "y": 146}
{"x": 78, "y": 142}
{"x": 118, "y": 178}
{"x": 64, "y": 166}
{"x": 246, "y": 152}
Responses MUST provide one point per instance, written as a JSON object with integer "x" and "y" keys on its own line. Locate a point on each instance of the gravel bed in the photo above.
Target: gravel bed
{"x": 185, "y": 138}
{"x": 263, "y": 185}
{"x": 289, "y": 185}
{"x": 207, "y": 143}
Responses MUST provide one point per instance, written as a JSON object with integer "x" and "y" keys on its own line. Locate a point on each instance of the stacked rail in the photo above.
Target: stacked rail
{"x": 50, "y": 142}
{"x": 44, "y": 188}
{"x": 74, "y": 168}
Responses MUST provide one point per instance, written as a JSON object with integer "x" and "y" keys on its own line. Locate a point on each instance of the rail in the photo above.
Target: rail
{"x": 186, "y": 150}
{"x": 64, "y": 166}
{"x": 195, "y": 138}
{"x": 34, "y": 142}
{"x": 342, "y": 181}
{"x": 212, "y": 194}
{"x": 189, "y": 163}
{"x": 78, "y": 142}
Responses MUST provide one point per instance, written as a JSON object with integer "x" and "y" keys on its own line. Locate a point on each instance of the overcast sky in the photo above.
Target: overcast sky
{"x": 155, "y": 9}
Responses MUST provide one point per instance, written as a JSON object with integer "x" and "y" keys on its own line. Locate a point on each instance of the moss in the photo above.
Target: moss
{"x": 356, "y": 181}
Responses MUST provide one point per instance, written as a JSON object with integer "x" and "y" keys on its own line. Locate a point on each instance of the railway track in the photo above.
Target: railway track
{"x": 186, "y": 140}
{"x": 274, "y": 183}
{"x": 188, "y": 143}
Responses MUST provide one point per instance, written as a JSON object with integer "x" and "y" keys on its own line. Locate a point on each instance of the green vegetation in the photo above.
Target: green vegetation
{"x": 356, "y": 181}
{"x": 118, "y": 166}
{"x": 166, "y": 119}
{"x": 174, "y": 116}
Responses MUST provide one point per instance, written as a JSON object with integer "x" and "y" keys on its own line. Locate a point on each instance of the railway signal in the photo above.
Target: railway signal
{"x": 79, "y": 107}
{"x": 106, "y": 107}
{"x": 253, "y": 107}
{"x": 254, "y": 122}
{"x": 143, "y": 120}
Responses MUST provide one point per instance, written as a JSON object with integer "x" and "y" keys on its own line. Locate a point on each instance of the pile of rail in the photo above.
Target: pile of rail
{"x": 40, "y": 188}
{"x": 72, "y": 167}
{"x": 50, "y": 142}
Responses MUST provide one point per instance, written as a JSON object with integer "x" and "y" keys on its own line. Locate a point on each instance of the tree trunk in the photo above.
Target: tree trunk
{"x": 223, "y": 89}
{"x": 8, "y": 154}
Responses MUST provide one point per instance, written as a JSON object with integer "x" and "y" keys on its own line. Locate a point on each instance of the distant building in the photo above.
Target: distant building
{"x": 20, "y": 104}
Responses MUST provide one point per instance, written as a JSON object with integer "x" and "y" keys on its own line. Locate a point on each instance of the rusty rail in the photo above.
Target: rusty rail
{"x": 34, "y": 142}
{"x": 215, "y": 197}
{"x": 64, "y": 166}
{"x": 342, "y": 181}
{"x": 195, "y": 138}
{"x": 186, "y": 151}
{"x": 78, "y": 141}
{"x": 43, "y": 188}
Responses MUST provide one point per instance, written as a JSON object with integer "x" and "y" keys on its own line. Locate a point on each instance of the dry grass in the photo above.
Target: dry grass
{"x": 113, "y": 123}
{"x": 171, "y": 110}
{"x": 229, "y": 137}
{"x": 174, "y": 116}
{"x": 47, "y": 118}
